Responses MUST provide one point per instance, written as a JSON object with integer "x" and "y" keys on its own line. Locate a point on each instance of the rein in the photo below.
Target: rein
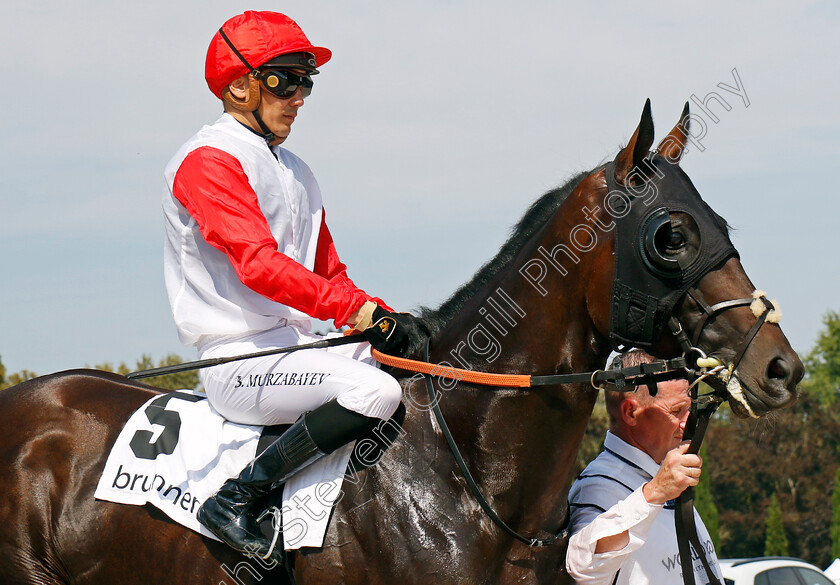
{"x": 702, "y": 408}
{"x": 687, "y": 537}
{"x": 657, "y": 371}
{"x": 621, "y": 378}
{"x": 476, "y": 491}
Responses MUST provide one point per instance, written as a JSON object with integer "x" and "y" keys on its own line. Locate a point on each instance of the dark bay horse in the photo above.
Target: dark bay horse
{"x": 549, "y": 302}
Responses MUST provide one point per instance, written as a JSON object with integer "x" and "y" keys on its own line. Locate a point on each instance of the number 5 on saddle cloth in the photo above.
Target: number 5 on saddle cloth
{"x": 176, "y": 451}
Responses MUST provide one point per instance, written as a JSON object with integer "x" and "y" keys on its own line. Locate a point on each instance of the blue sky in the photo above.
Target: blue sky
{"x": 431, "y": 131}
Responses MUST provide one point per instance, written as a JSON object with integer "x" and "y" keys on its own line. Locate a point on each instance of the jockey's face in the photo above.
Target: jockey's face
{"x": 279, "y": 113}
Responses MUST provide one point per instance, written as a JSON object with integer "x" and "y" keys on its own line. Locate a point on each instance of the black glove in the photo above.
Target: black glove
{"x": 392, "y": 333}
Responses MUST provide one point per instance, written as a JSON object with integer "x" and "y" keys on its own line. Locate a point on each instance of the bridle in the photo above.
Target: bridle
{"x": 709, "y": 312}
{"x": 629, "y": 296}
{"x": 721, "y": 377}
{"x": 620, "y": 379}
{"x": 702, "y": 408}
{"x": 646, "y": 288}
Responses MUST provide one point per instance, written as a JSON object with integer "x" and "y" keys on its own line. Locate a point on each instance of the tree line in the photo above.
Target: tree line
{"x": 769, "y": 487}
{"x": 177, "y": 381}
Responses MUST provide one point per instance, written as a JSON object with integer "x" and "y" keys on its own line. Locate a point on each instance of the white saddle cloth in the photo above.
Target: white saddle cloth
{"x": 176, "y": 451}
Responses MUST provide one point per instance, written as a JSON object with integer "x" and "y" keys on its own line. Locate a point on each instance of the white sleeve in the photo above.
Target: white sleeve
{"x": 633, "y": 515}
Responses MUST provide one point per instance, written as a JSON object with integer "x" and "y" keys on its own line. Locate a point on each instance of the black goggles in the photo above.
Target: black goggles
{"x": 284, "y": 83}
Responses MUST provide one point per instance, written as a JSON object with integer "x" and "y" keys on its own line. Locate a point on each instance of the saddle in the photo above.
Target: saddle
{"x": 175, "y": 451}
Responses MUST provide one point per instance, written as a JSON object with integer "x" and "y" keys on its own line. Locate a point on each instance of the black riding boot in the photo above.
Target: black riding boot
{"x": 230, "y": 513}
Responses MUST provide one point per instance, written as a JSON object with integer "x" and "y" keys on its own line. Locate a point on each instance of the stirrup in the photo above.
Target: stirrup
{"x": 276, "y": 525}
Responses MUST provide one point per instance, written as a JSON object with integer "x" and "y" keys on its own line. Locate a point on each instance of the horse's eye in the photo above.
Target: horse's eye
{"x": 675, "y": 240}
{"x": 665, "y": 242}
{"x": 669, "y": 241}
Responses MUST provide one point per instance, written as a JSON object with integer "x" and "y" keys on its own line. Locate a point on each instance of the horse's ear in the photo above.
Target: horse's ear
{"x": 673, "y": 145}
{"x": 637, "y": 149}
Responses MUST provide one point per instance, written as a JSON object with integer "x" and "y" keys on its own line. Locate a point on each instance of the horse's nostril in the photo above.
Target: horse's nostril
{"x": 778, "y": 369}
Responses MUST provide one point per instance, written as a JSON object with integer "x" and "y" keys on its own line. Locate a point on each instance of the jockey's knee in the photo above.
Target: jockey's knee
{"x": 391, "y": 395}
{"x": 378, "y": 397}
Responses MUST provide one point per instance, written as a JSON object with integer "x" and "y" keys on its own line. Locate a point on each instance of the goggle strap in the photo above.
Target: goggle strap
{"x": 269, "y": 135}
{"x": 236, "y": 52}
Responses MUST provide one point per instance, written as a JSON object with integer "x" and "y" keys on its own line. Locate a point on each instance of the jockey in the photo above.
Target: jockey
{"x": 249, "y": 261}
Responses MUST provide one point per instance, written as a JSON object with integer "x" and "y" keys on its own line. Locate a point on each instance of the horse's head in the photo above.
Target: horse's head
{"x": 678, "y": 285}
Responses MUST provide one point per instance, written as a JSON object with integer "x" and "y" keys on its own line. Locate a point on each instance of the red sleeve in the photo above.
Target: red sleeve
{"x": 214, "y": 189}
{"x": 328, "y": 265}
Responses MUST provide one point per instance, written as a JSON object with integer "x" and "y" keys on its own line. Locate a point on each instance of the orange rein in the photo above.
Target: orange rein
{"x": 440, "y": 371}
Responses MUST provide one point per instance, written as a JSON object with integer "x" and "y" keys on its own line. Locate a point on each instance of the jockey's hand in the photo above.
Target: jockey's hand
{"x": 393, "y": 333}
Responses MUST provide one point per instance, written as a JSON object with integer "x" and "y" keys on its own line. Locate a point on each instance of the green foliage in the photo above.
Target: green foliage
{"x": 775, "y": 540}
{"x": 835, "y": 524}
{"x": 822, "y": 364}
{"x": 790, "y": 454}
{"x": 593, "y": 438}
{"x": 7, "y": 381}
{"x": 705, "y": 504}
{"x": 177, "y": 381}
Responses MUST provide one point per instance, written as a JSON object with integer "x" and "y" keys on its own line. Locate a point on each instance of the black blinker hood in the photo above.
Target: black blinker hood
{"x": 643, "y": 298}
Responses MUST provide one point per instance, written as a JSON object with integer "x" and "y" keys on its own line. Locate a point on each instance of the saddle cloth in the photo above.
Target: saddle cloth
{"x": 176, "y": 451}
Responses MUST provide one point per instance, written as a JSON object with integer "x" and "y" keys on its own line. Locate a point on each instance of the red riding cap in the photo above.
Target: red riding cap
{"x": 259, "y": 37}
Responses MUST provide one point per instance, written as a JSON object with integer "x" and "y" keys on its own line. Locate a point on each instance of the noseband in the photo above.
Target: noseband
{"x": 703, "y": 407}
{"x": 764, "y": 310}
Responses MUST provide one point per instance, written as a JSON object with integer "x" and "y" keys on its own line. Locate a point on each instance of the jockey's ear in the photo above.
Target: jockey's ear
{"x": 632, "y": 156}
{"x": 242, "y": 94}
{"x": 673, "y": 145}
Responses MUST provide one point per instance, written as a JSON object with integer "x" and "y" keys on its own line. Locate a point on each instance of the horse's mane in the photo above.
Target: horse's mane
{"x": 537, "y": 215}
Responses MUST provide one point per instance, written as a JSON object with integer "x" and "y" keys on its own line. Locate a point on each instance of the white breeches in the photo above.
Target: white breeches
{"x": 277, "y": 389}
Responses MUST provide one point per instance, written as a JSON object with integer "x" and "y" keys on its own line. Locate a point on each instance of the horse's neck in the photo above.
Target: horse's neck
{"x": 522, "y": 444}
{"x": 532, "y": 316}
